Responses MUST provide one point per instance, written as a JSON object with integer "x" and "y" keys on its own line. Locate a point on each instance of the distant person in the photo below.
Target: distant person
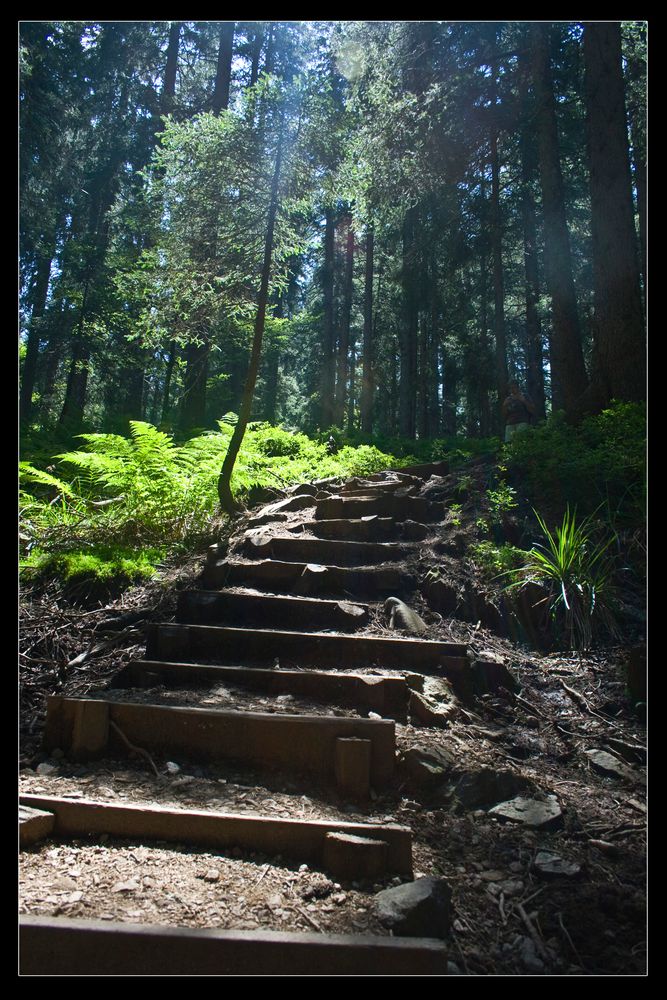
{"x": 517, "y": 410}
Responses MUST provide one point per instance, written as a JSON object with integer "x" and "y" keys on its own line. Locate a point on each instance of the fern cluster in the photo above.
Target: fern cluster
{"x": 146, "y": 492}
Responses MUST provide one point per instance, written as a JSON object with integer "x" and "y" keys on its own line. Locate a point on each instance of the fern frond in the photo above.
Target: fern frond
{"x": 30, "y": 474}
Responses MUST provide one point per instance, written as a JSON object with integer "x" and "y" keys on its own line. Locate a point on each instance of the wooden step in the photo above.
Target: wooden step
{"x": 260, "y": 543}
{"x": 307, "y": 578}
{"x": 365, "y": 529}
{"x": 301, "y": 649}
{"x": 307, "y": 744}
{"x": 62, "y": 946}
{"x": 210, "y": 607}
{"x": 387, "y": 696}
{"x": 400, "y": 507}
{"x": 424, "y": 471}
{"x": 301, "y": 840}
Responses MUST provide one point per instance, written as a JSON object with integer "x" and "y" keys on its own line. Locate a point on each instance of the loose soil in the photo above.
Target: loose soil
{"x": 507, "y": 918}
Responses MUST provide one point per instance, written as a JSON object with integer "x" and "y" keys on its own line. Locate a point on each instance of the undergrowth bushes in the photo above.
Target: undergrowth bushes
{"x": 116, "y": 505}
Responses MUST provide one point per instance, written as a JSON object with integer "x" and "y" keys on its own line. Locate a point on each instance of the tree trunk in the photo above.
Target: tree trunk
{"x": 618, "y": 327}
{"x": 327, "y": 374}
{"x": 533, "y": 339}
{"x": 193, "y": 405}
{"x": 496, "y": 240}
{"x": 344, "y": 328}
{"x": 256, "y": 53}
{"x": 223, "y": 74}
{"x": 29, "y": 371}
{"x": 367, "y": 378}
{"x": 224, "y": 482}
{"x": 409, "y": 329}
{"x": 568, "y": 372}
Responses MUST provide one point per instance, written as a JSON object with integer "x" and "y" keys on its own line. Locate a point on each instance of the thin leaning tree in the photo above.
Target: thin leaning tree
{"x": 227, "y": 501}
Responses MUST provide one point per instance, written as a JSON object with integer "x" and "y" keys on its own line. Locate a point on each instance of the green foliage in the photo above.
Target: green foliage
{"x": 98, "y": 570}
{"x": 575, "y": 568}
{"x": 495, "y": 560}
{"x": 144, "y": 493}
{"x": 603, "y": 461}
{"x": 501, "y": 500}
{"x": 455, "y": 510}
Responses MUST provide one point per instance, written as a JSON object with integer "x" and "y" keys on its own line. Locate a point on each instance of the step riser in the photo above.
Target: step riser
{"x": 305, "y": 744}
{"x": 211, "y": 608}
{"x": 58, "y": 946}
{"x": 318, "y": 550}
{"x": 411, "y": 508}
{"x": 388, "y": 696}
{"x": 223, "y": 645}
{"x": 272, "y": 575}
{"x": 383, "y": 529}
{"x": 300, "y": 840}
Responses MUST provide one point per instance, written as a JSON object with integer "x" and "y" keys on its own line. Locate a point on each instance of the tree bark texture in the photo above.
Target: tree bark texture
{"x": 618, "y": 326}
{"x": 327, "y": 371}
{"x": 367, "y": 378}
{"x": 568, "y": 371}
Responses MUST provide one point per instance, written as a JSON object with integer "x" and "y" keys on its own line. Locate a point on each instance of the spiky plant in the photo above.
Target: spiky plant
{"x": 576, "y": 570}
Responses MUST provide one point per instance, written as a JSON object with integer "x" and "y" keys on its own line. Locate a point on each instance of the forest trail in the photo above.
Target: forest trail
{"x": 306, "y": 790}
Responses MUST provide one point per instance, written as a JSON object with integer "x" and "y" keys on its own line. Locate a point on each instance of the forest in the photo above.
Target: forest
{"x": 420, "y": 212}
{"x": 255, "y": 255}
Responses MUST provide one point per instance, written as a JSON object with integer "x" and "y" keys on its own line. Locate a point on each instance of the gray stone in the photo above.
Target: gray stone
{"x": 529, "y": 956}
{"x": 548, "y": 865}
{"x": 426, "y": 769}
{"x": 403, "y": 617}
{"x": 416, "y": 909}
{"x": 604, "y": 763}
{"x": 483, "y": 788}
{"x": 538, "y": 813}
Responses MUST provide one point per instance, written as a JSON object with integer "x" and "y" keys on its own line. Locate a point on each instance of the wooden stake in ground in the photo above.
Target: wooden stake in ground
{"x": 227, "y": 501}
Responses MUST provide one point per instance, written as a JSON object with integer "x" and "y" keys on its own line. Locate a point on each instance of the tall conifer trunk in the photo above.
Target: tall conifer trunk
{"x": 568, "y": 372}
{"x": 618, "y": 327}
{"x": 367, "y": 382}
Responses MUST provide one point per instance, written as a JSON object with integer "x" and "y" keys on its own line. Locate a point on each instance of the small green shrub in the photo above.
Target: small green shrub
{"x": 455, "y": 510}
{"x": 501, "y": 501}
{"x": 576, "y": 569}
{"x": 496, "y": 560}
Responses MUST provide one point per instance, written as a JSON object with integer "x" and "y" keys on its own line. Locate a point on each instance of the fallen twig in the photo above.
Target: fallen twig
{"x": 537, "y": 940}
{"x": 143, "y": 753}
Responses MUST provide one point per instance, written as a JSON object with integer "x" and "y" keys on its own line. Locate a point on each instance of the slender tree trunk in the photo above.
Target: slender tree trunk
{"x": 433, "y": 372}
{"x": 74, "y": 403}
{"x": 272, "y": 367}
{"x": 327, "y": 374}
{"x": 368, "y": 375}
{"x": 568, "y": 372}
{"x": 39, "y": 294}
{"x": 635, "y": 100}
{"x": 450, "y": 392}
{"x": 618, "y": 327}
{"x": 409, "y": 329}
{"x": 223, "y": 74}
{"x": 256, "y": 53}
{"x": 224, "y": 482}
{"x": 487, "y": 424}
{"x": 171, "y": 67}
{"x": 534, "y": 360}
{"x": 344, "y": 327}
{"x": 193, "y": 405}
{"x": 497, "y": 241}
{"x": 167, "y": 381}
